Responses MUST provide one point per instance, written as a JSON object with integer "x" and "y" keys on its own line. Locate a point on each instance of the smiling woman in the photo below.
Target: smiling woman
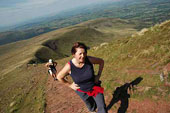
{"x": 85, "y": 84}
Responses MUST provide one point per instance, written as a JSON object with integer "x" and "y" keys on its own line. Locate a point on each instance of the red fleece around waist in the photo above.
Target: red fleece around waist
{"x": 94, "y": 92}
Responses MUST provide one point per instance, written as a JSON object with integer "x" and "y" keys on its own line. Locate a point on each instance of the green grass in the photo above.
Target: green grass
{"x": 25, "y": 88}
{"x": 140, "y": 52}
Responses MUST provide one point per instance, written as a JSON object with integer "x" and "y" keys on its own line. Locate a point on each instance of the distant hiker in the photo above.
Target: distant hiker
{"x": 85, "y": 84}
{"x": 52, "y": 68}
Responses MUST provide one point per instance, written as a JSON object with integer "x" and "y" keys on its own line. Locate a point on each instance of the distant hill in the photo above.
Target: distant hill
{"x": 16, "y": 35}
{"x": 147, "y": 12}
{"x": 92, "y": 32}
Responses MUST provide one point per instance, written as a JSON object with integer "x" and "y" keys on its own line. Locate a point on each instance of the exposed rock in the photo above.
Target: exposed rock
{"x": 147, "y": 88}
{"x": 164, "y": 75}
{"x": 103, "y": 44}
{"x": 142, "y": 32}
{"x": 155, "y": 97}
{"x": 163, "y": 94}
{"x": 160, "y": 90}
{"x": 164, "y": 23}
{"x": 12, "y": 103}
{"x": 140, "y": 88}
{"x": 34, "y": 65}
{"x": 133, "y": 35}
{"x": 161, "y": 77}
{"x": 95, "y": 48}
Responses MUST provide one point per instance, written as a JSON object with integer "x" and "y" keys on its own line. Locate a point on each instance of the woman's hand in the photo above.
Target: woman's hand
{"x": 74, "y": 86}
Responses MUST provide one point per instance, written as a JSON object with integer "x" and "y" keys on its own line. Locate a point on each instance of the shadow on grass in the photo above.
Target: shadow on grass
{"x": 121, "y": 94}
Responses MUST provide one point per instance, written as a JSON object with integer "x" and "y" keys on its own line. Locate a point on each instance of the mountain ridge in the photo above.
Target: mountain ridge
{"x": 147, "y": 13}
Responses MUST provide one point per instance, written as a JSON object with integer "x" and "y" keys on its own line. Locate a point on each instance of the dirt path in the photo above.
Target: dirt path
{"x": 62, "y": 99}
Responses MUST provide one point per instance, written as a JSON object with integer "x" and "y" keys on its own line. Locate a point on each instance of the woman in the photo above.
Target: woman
{"x": 85, "y": 84}
{"x": 52, "y": 68}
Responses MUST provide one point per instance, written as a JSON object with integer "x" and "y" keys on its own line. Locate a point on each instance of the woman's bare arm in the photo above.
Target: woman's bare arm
{"x": 95, "y": 60}
{"x": 63, "y": 73}
{"x": 47, "y": 64}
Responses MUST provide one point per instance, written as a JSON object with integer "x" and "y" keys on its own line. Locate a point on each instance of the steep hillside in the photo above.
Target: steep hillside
{"x": 144, "y": 55}
{"x": 131, "y": 75}
{"x": 17, "y": 35}
{"x": 149, "y": 45}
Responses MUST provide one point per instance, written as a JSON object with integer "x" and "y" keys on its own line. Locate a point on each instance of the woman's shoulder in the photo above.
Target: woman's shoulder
{"x": 67, "y": 67}
{"x": 89, "y": 59}
{"x": 47, "y": 64}
{"x": 68, "y": 63}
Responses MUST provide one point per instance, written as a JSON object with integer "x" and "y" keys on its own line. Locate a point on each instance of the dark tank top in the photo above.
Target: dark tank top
{"x": 84, "y": 76}
{"x": 52, "y": 67}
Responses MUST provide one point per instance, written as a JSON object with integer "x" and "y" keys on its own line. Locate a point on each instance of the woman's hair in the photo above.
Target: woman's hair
{"x": 78, "y": 45}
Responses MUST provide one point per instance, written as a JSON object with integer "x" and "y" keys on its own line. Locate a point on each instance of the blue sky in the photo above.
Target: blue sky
{"x": 16, "y": 11}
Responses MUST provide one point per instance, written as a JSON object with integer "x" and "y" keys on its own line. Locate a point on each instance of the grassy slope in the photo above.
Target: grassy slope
{"x": 146, "y": 50}
{"x": 22, "y": 86}
{"x": 22, "y": 90}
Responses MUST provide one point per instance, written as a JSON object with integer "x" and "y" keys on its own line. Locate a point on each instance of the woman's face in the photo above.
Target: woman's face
{"x": 80, "y": 55}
